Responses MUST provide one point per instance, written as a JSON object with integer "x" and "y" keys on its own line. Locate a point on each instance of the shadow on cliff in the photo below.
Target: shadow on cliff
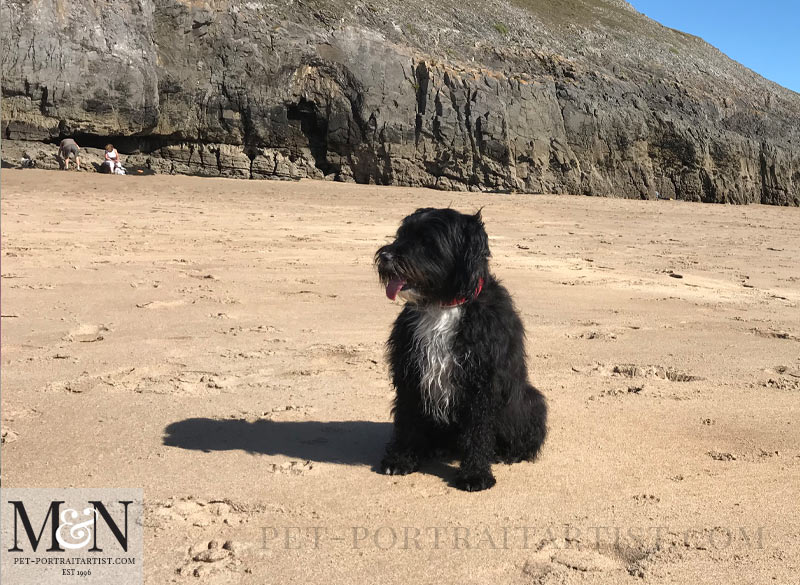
{"x": 347, "y": 442}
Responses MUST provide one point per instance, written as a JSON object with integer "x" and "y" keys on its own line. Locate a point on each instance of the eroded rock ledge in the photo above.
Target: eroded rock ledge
{"x": 479, "y": 96}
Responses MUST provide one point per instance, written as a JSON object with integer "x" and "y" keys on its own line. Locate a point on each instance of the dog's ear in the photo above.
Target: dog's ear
{"x": 482, "y": 240}
{"x": 418, "y": 212}
{"x": 475, "y": 261}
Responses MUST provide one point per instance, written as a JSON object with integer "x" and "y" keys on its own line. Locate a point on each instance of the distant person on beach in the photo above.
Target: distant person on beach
{"x": 112, "y": 159}
{"x": 69, "y": 148}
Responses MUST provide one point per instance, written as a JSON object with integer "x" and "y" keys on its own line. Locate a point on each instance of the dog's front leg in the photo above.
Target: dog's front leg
{"x": 477, "y": 442}
{"x": 404, "y": 451}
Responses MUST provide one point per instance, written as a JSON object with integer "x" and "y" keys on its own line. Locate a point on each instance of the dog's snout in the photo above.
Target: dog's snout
{"x": 386, "y": 255}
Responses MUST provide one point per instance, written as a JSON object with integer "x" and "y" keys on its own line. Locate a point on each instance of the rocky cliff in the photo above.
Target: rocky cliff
{"x": 563, "y": 96}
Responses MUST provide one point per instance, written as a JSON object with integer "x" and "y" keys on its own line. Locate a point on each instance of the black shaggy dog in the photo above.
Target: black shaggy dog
{"x": 456, "y": 352}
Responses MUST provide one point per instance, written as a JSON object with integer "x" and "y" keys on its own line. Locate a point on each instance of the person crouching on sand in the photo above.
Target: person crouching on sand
{"x": 112, "y": 159}
{"x": 69, "y": 148}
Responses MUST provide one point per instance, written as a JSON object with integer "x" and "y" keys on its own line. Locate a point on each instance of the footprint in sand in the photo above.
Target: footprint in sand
{"x": 147, "y": 380}
{"x": 292, "y": 467}
{"x": 352, "y": 355}
{"x": 637, "y": 371}
{"x": 555, "y": 560}
{"x": 188, "y": 383}
{"x": 213, "y": 557}
{"x": 88, "y": 383}
{"x": 87, "y": 333}
{"x": 594, "y": 334}
{"x": 199, "y": 513}
{"x": 201, "y": 276}
{"x": 161, "y": 304}
{"x": 775, "y": 334}
{"x": 8, "y": 436}
{"x": 791, "y": 384}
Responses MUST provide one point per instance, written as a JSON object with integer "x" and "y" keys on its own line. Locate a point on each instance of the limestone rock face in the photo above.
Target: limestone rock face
{"x": 88, "y": 67}
{"x": 572, "y": 96}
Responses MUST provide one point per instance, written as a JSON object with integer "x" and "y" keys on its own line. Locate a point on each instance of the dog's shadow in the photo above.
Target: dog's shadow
{"x": 354, "y": 442}
{"x": 347, "y": 442}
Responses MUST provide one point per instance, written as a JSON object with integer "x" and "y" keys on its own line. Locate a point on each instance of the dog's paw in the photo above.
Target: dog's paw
{"x": 474, "y": 482}
{"x": 398, "y": 465}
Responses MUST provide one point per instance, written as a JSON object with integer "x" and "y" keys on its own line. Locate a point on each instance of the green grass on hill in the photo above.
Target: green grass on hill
{"x": 586, "y": 13}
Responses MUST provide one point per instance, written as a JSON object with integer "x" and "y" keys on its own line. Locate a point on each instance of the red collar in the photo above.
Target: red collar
{"x": 462, "y": 300}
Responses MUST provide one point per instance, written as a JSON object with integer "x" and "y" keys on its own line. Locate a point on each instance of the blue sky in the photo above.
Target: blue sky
{"x": 764, "y": 36}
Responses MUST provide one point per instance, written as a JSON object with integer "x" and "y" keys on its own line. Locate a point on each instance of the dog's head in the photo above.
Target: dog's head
{"x": 438, "y": 256}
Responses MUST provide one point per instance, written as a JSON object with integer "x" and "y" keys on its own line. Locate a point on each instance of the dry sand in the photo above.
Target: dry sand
{"x": 219, "y": 344}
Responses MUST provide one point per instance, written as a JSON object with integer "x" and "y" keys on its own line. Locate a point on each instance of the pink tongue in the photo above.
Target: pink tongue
{"x": 394, "y": 287}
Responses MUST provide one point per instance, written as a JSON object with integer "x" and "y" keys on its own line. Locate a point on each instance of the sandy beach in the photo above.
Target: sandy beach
{"x": 219, "y": 344}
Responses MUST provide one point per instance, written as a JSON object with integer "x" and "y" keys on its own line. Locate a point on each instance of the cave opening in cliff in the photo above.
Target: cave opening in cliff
{"x": 314, "y": 127}
{"x": 124, "y": 144}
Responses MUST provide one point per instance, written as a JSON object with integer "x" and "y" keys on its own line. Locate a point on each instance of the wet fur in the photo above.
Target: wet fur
{"x": 460, "y": 372}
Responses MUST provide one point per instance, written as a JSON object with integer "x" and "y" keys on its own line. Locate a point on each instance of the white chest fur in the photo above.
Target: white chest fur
{"x": 433, "y": 343}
